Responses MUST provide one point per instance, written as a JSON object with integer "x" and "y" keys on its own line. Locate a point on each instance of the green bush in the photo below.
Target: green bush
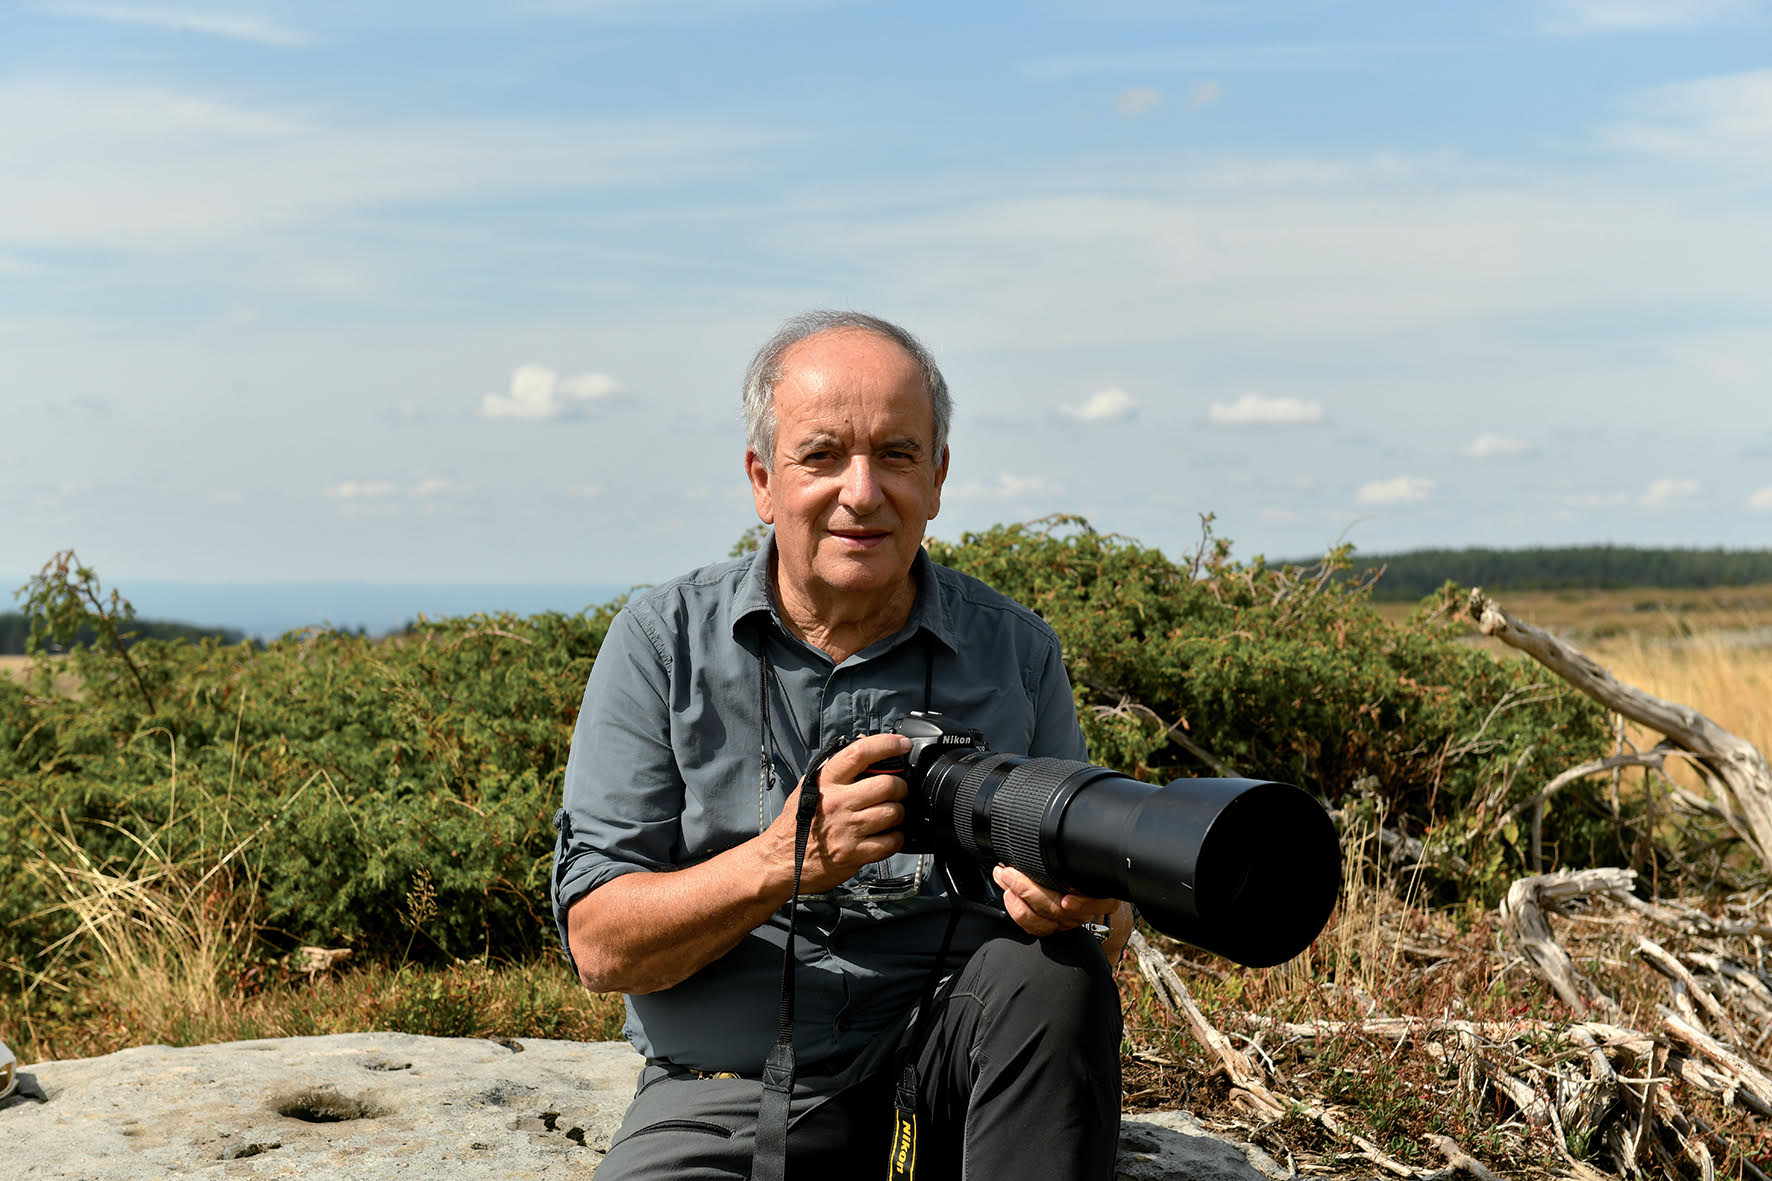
{"x": 343, "y": 773}
{"x": 342, "y": 769}
{"x": 1212, "y": 666}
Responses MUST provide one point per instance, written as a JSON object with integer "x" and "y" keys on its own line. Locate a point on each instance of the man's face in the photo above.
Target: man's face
{"x": 855, "y": 476}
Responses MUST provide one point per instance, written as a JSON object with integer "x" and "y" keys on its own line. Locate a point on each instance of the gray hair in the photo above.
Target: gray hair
{"x": 758, "y": 407}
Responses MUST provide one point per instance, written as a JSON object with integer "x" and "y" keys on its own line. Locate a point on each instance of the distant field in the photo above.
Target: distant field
{"x": 14, "y": 665}
{"x": 1744, "y": 612}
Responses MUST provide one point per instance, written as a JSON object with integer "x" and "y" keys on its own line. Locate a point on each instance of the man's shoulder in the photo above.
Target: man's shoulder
{"x": 969, "y": 602}
{"x": 694, "y": 593}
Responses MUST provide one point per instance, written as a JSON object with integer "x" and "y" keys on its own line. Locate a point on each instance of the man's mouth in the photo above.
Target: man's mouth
{"x": 860, "y": 538}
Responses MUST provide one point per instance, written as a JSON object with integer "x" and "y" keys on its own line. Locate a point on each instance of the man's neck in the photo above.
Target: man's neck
{"x": 841, "y": 626}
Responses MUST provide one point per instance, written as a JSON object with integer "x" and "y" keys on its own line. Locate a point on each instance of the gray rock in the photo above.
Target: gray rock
{"x": 375, "y": 1105}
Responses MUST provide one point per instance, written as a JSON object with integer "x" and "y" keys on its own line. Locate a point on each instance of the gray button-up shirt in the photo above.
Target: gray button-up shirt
{"x": 665, "y": 772}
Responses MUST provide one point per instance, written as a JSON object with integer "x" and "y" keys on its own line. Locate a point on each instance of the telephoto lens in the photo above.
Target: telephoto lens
{"x": 1246, "y": 868}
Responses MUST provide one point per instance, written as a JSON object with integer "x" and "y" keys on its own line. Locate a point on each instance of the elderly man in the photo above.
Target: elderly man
{"x": 675, "y": 865}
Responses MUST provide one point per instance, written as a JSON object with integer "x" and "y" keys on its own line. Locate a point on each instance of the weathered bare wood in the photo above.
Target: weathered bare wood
{"x": 1523, "y": 913}
{"x": 1169, "y": 988}
{"x": 1667, "y": 965}
{"x": 1592, "y": 767}
{"x": 1460, "y": 1160}
{"x": 1733, "y": 762}
{"x": 1741, "y": 1074}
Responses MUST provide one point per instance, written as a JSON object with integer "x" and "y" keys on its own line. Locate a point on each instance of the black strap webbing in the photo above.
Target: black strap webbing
{"x": 769, "y": 1159}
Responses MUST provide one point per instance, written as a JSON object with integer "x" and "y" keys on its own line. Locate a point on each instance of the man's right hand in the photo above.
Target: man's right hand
{"x": 859, "y": 819}
{"x": 642, "y": 932}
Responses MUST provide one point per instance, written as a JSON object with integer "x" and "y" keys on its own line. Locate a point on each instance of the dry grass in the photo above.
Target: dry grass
{"x": 169, "y": 952}
{"x": 1589, "y": 616}
{"x": 1718, "y": 673}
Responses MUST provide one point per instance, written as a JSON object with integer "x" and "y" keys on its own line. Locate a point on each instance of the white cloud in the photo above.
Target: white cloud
{"x": 1761, "y": 500}
{"x": 537, "y": 393}
{"x": 1103, "y": 406}
{"x": 1618, "y": 16}
{"x": 1487, "y": 446}
{"x": 431, "y": 487}
{"x": 1254, "y": 409}
{"x": 231, "y": 25}
{"x": 1204, "y": 94}
{"x": 1396, "y": 490}
{"x": 362, "y": 490}
{"x": 587, "y": 491}
{"x": 91, "y": 164}
{"x": 1668, "y": 491}
{"x": 1010, "y": 487}
{"x": 1596, "y": 500}
{"x": 1726, "y": 118}
{"x": 1138, "y": 100}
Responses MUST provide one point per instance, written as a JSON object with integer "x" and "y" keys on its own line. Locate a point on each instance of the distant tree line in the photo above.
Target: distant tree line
{"x": 1411, "y": 575}
{"x": 15, "y": 630}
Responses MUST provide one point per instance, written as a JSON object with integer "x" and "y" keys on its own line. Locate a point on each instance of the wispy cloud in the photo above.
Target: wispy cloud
{"x": 538, "y": 393}
{"x": 233, "y": 26}
{"x": 1761, "y": 500}
{"x": 152, "y": 168}
{"x": 1574, "y": 17}
{"x": 1254, "y": 409}
{"x": 1009, "y": 487}
{"x": 1487, "y": 446}
{"x": 1138, "y": 100}
{"x": 434, "y": 486}
{"x": 363, "y": 490}
{"x": 1396, "y": 490}
{"x": 1204, "y": 94}
{"x": 1728, "y": 117}
{"x": 1669, "y": 491}
{"x": 1221, "y": 59}
{"x": 1103, "y": 406}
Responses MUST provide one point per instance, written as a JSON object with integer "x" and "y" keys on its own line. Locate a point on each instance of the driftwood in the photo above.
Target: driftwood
{"x": 1733, "y": 767}
{"x": 1597, "y": 1092}
{"x": 1523, "y": 910}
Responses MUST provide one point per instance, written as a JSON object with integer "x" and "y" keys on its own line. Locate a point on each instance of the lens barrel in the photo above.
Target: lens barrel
{"x": 1246, "y": 868}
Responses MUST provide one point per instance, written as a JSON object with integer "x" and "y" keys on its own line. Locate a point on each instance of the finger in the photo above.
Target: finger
{"x": 1065, "y": 909}
{"x": 851, "y": 763}
{"x": 1036, "y": 898}
{"x": 1025, "y": 917}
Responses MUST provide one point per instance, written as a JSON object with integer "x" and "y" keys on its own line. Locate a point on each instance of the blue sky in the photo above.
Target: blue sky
{"x": 453, "y": 292}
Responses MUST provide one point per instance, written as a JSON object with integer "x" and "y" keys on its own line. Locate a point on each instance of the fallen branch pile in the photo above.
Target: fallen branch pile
{"x": 1654, "y": 1063}
{"x": 1645, "y": 1081}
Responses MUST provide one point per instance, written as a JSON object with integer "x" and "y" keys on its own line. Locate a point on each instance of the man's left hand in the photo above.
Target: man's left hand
{"x": 1041, "y": 910}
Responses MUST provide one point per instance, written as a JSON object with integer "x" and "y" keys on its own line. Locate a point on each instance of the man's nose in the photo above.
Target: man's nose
{"x": 861, "y": 488}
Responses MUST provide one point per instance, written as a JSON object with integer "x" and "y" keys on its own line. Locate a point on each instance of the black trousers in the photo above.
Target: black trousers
{"x": 1019, "y": 1076}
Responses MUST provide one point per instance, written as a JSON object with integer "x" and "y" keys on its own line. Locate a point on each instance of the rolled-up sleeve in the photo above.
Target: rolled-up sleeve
{"x": 622, "y": 801}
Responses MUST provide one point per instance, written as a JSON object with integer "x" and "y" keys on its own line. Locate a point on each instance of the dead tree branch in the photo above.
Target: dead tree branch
{"x": 1735, "y": 766}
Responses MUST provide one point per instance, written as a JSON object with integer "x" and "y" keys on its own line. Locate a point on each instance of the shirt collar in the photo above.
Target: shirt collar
{"x": 932, "y": 612}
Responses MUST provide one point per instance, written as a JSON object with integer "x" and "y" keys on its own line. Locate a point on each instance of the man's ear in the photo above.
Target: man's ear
{"x": 759, "y": 477}
{"x": 941, "y": 475}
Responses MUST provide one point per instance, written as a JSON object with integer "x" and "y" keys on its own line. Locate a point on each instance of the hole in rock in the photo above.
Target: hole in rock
{"x": 322, "y": 1105}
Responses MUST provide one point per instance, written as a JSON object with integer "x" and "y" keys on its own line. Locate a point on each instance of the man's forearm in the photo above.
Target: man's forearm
{"x": 642, "y": 932}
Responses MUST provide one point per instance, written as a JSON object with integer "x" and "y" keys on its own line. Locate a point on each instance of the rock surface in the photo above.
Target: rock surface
{"x": 374, "y": 1105}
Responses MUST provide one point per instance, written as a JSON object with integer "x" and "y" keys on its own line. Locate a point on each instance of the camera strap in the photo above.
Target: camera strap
{"x": 769, "y": 1158}
{"x": 769, "y": 1155}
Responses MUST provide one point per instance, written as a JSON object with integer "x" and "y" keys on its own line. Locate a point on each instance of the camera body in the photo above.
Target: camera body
{"x": 1247, "y": 868}
{"x": 932, "y": 735}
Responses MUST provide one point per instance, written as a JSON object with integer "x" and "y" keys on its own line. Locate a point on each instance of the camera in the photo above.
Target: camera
{"x": 1246, "y": 868}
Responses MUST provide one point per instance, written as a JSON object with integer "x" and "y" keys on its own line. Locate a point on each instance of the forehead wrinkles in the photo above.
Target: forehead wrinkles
{"x": 844, "y": 383}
